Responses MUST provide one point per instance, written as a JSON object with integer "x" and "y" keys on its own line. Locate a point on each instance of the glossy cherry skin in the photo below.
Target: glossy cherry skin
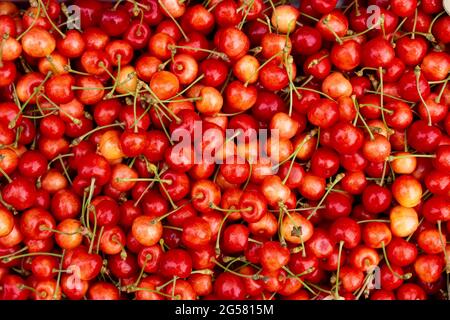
{"x": 175, "y": 262}
{"x": 422, "y": 137}
{"x": 229, "y": 286}
{"x": 377, "y": 52}
{"x": 20, "y": 193}
{"x": 376, "y": 198}
{"x": 196, "y": 233}
{"x": 235, "y": 238}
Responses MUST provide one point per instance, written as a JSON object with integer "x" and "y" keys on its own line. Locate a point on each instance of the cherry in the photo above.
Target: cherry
{"x": 306, "y": 40}
{"x": 376, "y": 149}
{"x": 7, "y": 222}
{"x": 147, "y": 230}
{"x": 404, "y": 9}
{"x": 410, "y": 291}
{"x": 318, "y": 65}
{"x": 429, "y": 240}
{"x": 103, "y": 291}
{"x": 324, "y": 114}
{"x": 346, "y": 56}
{"x": 19, "y": 193}
{"x": 376, "y": 198}
{"x": 436, "y": 208}
{"x": 175, "y": 262}
{"x": 324, "y": 163}
{"x": 123, "y": 268}
{"x": 196, "y": 233}
{"x": 347, "y": 230}
{"x": 12, "y": 288}
{"x": 235, "y": 238}
{"x": 332, "y": 25}
{"x": 423, "y": 137}
{"x": 273, "y": 256}
{"x": 377, "y": 52}
{"x": 411, "y": 51}
{"x": 229, "y": 286}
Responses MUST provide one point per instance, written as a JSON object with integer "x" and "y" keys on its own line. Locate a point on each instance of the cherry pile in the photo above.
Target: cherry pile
{"x": 349, "y": 200}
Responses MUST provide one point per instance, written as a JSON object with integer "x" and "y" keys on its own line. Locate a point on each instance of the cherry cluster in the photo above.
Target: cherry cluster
{"x": 347, "y": 196}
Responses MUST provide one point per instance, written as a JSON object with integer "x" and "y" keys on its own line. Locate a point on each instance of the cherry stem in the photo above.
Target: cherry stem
{"x": 169, "y": 213}
{"x": 219, "y": 231}
{"x": 74, "y": 120}
{"x": 7, "y": 177}
{"x": 355, "y": 103}
{"x": 405, "y": 276}
{"x": 147, "y": 87}
{"x": 14, "y": 253}
{"x": 92, "y": 240}
{"x": 134, "y": 289}
{"x": 338, "y": 178}
{"x": 254, "y": 277}
{"x": 430, "y": 28}
{"x": 84, "y": 136}
{"x": 441, "y": 238}
{"x": 58, "y": 158}
{"x": 309, "y": 17}
{"x": 325, "y": 22}
{"x": 221, "y": 55}
{"x": 100, "y": 235}
{"x": 144, "y": 179}
{"x": 38, "y": 13}
{"x": 50, "y": 20}
{"x": 30, "y": 254}
{"x": 147, "y": 258}
{"x": 389, "y": 96}
{"x": 417, "y": 73}
{"x": 341, "y": 244}
{"x": 262, "y": 66}
{"x": 4, "y": 38}
{"x": 154, "y": 169}
{"x": 373, "y": 220}
{"x": 308, "y": 137}
{"x": 37, "y": 89}
{"x": 376, "y": 107}
{"x": 318, "y": 92}
{"x": 247, "y": 11}
{"x": 102, "y": 65}
{"x": 383, "y": 175}
{"x": 406, "y": 156}
{"x": 158, "y": 111}
{"x": 174, "y": 20}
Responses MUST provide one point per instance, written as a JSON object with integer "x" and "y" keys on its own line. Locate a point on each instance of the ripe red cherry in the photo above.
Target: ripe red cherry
{"x": 377, "y": 52}
{"x": 196, "y": 233}
{"x": 175, "y": 262}
{"x": 324, "y": 113}
{"x": 411, "y": 51}
{"x": 32, "y": 164}
{"x": 376, "y": 199}
{"x": 273, "y": 256}
{"x": 234, "y": 43}
{"x": 346, "y": 138}
{"x": 324, "y": 163}
{"x": 333, "y": 24}
{"x": 423, "y": 137}
{"x": 235, "y": 238}
{"x": 306, "y": 40}
{"x": 411, "y": 84}
{"x": 229, "y": 287}
{"x": 20, "y": 193}
{"x": 347, "y": 230}
{"x": 403, "y": 8}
